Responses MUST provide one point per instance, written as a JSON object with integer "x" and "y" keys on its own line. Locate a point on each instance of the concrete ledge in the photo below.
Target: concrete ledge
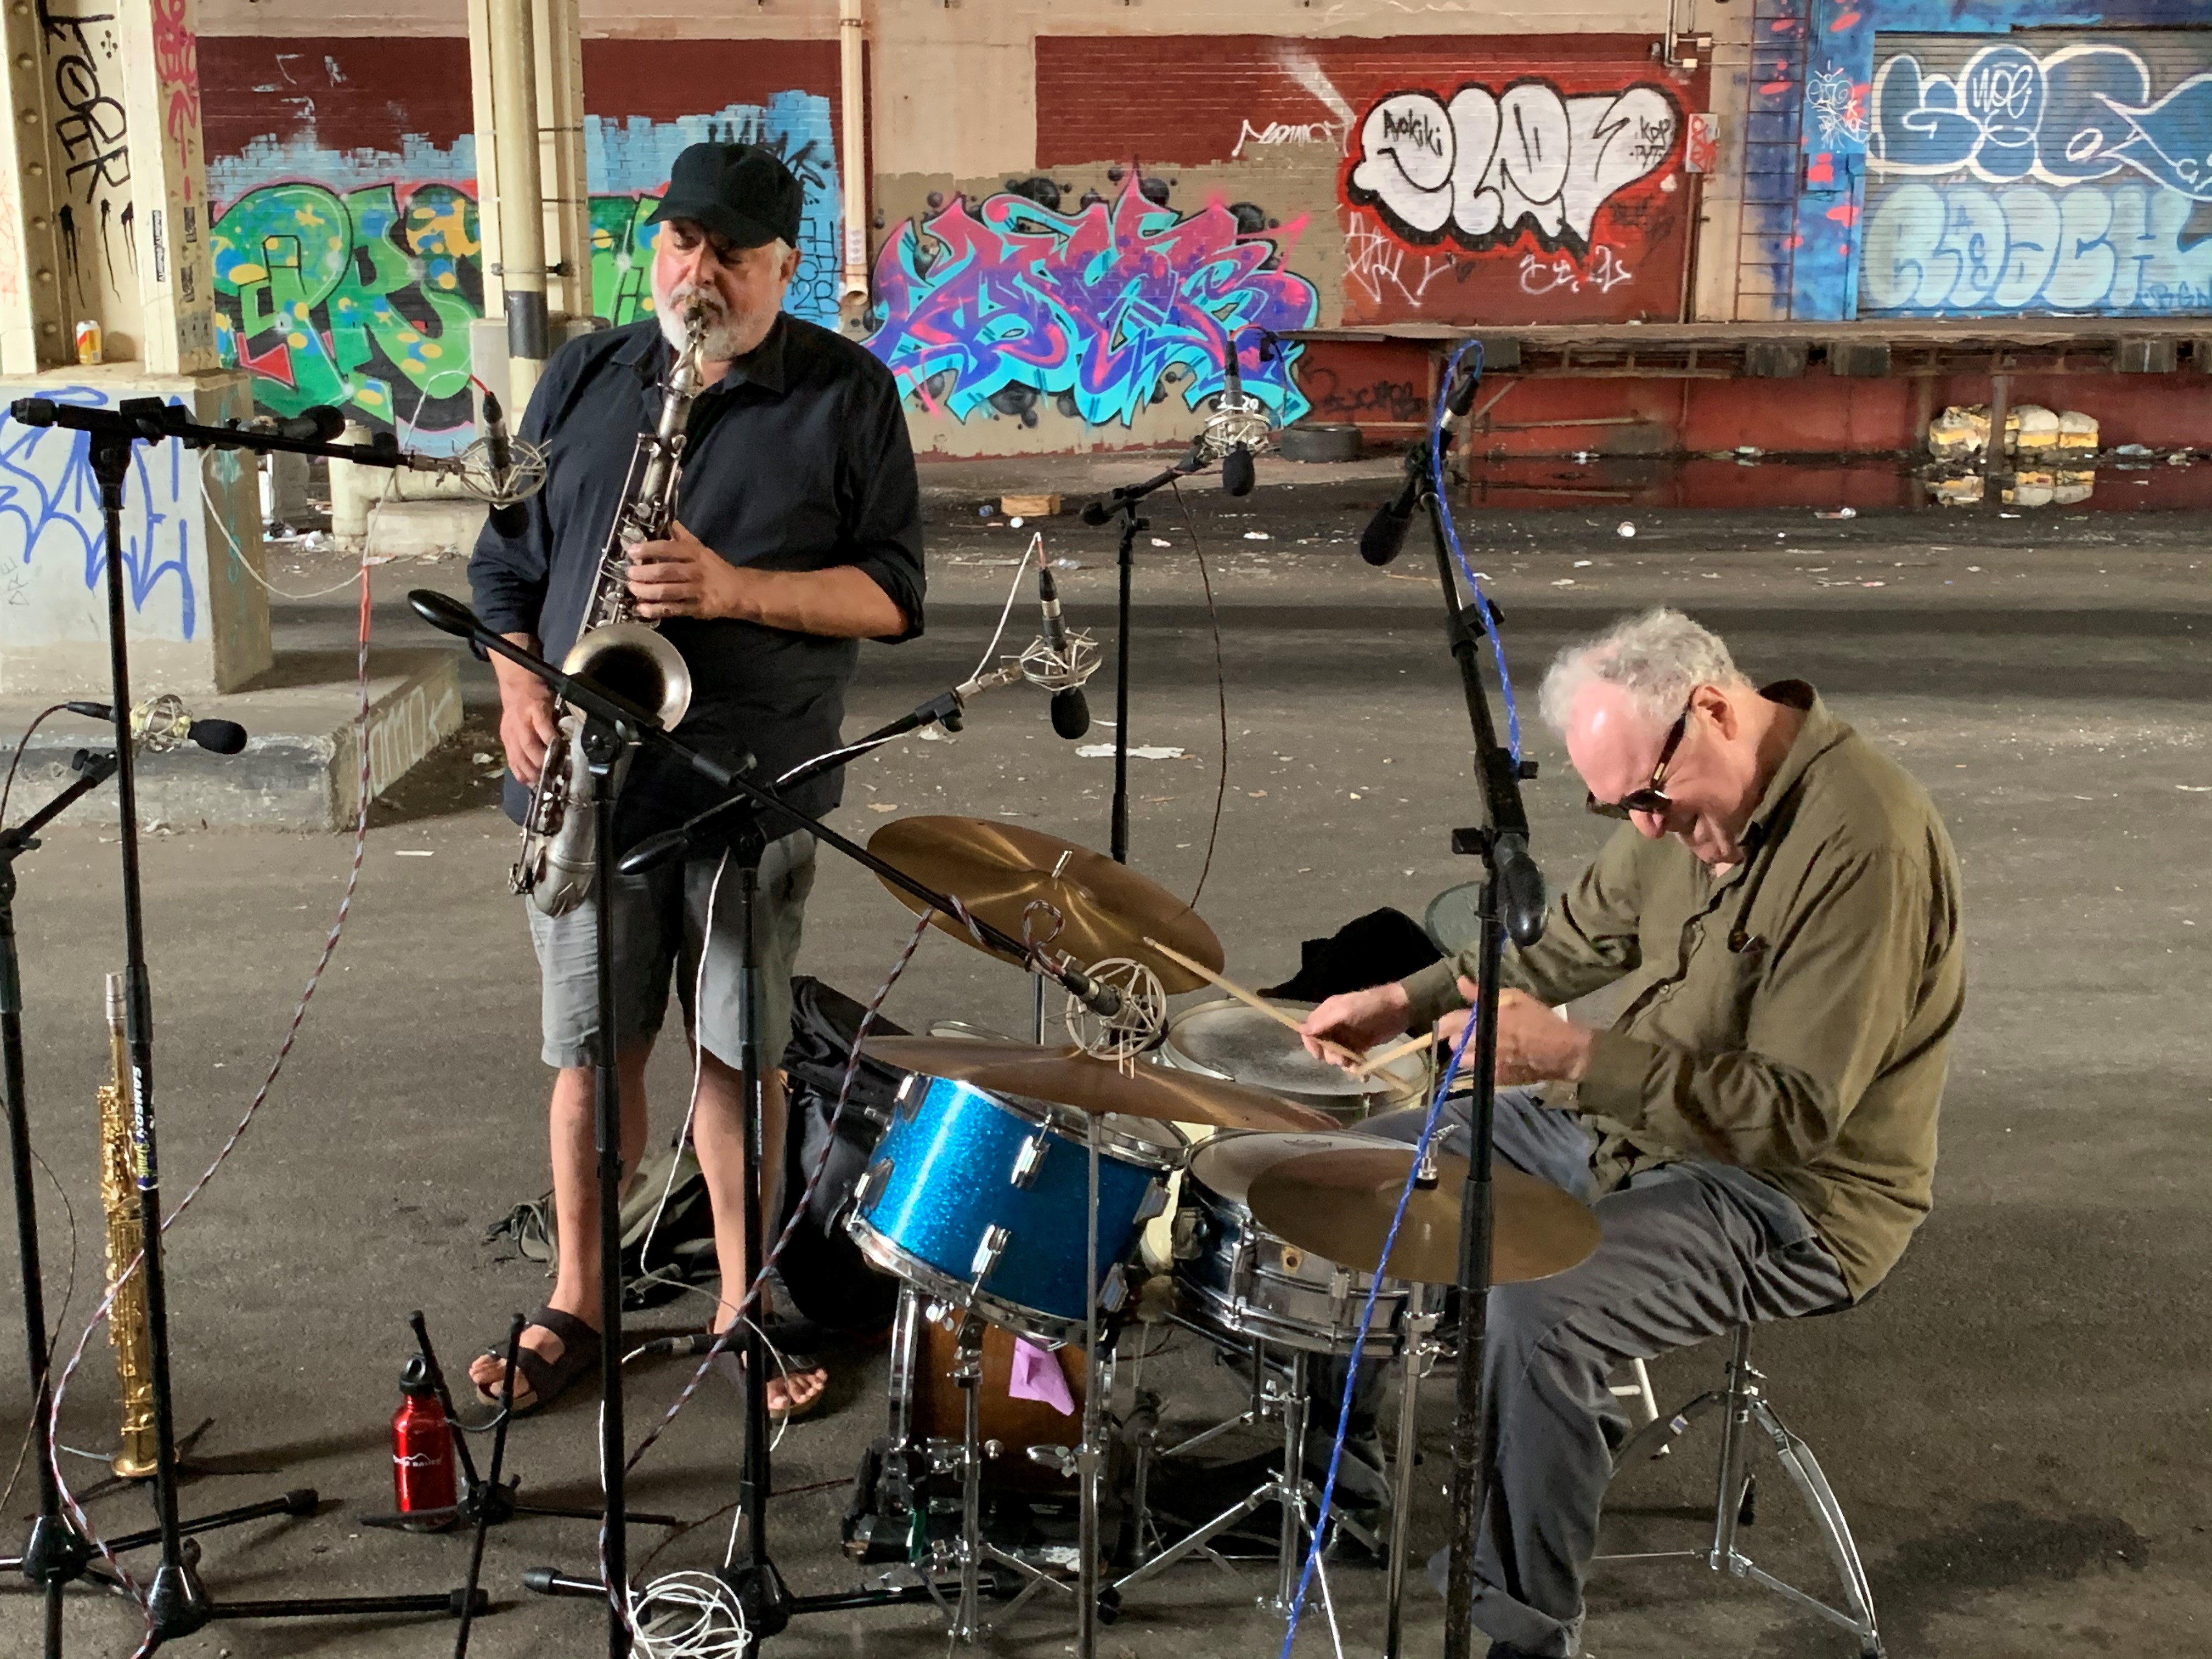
{"x": 301, "y": 766}
{"x": 425, "y": 530}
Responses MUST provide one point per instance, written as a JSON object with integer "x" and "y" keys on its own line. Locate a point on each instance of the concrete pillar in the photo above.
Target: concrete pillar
{"x": 511, "y": 53}
{"x": 558, "y": 30}
{"x": 103, "y": 220}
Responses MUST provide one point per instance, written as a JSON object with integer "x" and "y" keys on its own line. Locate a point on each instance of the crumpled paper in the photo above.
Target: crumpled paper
{"x": 1038, "y": 1376}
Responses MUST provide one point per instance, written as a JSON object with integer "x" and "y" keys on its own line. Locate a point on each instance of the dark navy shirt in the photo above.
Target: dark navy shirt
{"x": 798, "y": 459}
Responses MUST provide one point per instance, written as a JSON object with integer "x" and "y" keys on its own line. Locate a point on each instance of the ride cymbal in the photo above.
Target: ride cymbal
{"x": 1339, "y": 1205}
{"x": 1068, "y": 1076}
{"x": 999, "y": 871}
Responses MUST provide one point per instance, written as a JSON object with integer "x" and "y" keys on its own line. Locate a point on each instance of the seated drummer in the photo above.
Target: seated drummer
{"x": 1757, "y": 1129}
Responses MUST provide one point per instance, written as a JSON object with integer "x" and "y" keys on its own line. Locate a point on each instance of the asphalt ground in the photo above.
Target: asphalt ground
{"x": 2016, "y": 1425}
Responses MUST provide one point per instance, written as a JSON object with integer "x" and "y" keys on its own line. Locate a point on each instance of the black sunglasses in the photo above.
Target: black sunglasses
{"x": 1651, "y": 797}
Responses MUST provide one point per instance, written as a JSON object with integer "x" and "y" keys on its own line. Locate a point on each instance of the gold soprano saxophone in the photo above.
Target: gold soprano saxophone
{"x": 615, "y": 649}
{"x": 118, "y": 1198}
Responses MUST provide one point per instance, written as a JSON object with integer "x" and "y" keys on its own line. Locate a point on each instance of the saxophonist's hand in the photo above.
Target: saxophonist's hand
{"x": 682, "y": 576}
{"x": 526, "y": 715}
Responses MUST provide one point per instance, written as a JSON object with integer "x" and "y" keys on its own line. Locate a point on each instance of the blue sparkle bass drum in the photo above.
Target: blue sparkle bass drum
{"x": 978, "y": 1199}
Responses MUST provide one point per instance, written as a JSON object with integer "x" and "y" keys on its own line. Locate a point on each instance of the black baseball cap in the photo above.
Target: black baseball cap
{"x": 741, "y": 192}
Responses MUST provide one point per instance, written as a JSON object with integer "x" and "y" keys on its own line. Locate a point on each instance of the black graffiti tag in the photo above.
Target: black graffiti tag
{"x": 94, "y": 133}
{"x": 1413, "y": 127}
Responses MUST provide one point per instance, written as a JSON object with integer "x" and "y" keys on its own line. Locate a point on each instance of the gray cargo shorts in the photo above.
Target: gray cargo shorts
{"x": 660, "y": 918}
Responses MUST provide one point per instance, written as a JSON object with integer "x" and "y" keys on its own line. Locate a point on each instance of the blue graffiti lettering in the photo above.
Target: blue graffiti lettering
{"x": 2084, "y": 112}
{"x": 48, "y": 493}
{"x": 1969, "y": 249}
{"x": 2061, "y": 182}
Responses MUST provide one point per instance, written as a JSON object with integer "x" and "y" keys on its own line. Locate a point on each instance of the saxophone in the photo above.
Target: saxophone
{"x": 618, "y": 651}
{"x": 118, "y": 1199}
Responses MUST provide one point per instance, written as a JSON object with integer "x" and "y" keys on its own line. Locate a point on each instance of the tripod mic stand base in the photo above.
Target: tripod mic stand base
{"x": 55, "y": 1552}
{"x": 177, "y": 1603}
{"x": 762, "y": 1592}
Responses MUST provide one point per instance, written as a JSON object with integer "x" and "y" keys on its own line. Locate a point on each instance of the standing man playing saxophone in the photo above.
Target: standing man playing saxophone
{"x": 799, "y": 534}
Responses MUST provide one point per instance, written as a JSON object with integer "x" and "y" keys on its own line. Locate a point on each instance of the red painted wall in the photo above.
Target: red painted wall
{"x": 1608, "y": 242}
{"x": 356, "y": 93}
{"x": 365, "y": 94}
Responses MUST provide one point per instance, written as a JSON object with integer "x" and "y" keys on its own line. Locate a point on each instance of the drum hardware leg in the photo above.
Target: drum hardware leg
{"x": 1415, "y": 1348}
{"x": 1735, "y": 1450}
{"x": 1036, "y": 1009}
{"x": 1291, "y": 1489}
{"x": 967, "y": 1372}
{"x": 1088, "y": 1457}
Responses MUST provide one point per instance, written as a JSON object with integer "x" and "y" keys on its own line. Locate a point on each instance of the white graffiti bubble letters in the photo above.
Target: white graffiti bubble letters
{"x": 1493, "y": 162}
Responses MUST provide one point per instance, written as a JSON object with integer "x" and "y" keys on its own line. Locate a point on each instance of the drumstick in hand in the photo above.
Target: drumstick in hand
{"x": 1281, "y": 1016}
{"x": 1376, "y": 1061}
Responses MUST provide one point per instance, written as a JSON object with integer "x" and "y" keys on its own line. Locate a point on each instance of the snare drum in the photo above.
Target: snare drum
{"x": 1233, "y": 1040}
{"x": 978, "y": 1200}
{"x": 1243, "y": 1281}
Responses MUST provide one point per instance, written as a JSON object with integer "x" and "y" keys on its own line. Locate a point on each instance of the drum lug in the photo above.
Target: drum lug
{"x": 1186, "y": 1236}
{"x": 1155, "y": 1201}
{"x": 1113, "y": 1289}
{"x": 912, "y": 1087}
{"x": 870, "y": 1183}
{"x": 1031, "y": 1158}
{"x": 988, "y": 1252}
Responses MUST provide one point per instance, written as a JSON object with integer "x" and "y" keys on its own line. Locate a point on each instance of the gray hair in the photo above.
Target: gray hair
{"x": 1658, "y": 657}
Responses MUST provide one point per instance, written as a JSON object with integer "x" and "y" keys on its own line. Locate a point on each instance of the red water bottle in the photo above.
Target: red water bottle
{"x": 421, "y": 1449}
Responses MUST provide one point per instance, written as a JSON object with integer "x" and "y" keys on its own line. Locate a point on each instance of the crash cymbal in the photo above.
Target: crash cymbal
{"x": 1339, "y": 1205}
{"x": 998, "y": 870}
{"x": 1068, "y": 1076}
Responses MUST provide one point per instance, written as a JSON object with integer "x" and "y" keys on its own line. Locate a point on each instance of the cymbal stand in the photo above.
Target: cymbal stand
{"x": 1419, "y": 1349}
{"x": 177, "y": 1603}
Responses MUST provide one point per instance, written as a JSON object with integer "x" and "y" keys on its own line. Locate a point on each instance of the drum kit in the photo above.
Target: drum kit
{"x": 1203, "y": 1171}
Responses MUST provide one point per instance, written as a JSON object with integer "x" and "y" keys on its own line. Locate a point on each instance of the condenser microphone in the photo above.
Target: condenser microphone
{"x": 509, "y": 518}
{"x": 163, "y": 722}
{"x": 1071, "y": 711}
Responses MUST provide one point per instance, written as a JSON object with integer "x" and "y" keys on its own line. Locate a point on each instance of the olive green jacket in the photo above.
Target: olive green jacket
{"x": 1793, "y": 1016}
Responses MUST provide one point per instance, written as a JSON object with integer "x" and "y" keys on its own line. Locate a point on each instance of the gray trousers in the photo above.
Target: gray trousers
{"x": 1688, "y": 1251}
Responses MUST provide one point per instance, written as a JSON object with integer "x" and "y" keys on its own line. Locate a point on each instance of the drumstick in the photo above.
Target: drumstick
{"x": 1374, "y": 1062}
{"x": 1250, "y": 998}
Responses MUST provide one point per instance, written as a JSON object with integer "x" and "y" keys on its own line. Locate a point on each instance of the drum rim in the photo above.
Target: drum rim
{"x": 1384, "y": 1338}
{"x": 1047, "y": 1330}
{"x": 1069, "y": 1124}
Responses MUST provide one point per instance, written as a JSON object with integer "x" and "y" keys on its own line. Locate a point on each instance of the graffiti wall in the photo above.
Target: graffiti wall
{"x": 1483, "y": 179}
{"x": 53, "y": 551}
{"x": 2072, "y": 175}
{"x": 1997, "y": 171}
{"x": 350, "y": 277}
{"x": 1010, "y": 308}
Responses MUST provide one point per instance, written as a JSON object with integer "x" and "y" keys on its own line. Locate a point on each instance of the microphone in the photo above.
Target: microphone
{"x": 508, "y": 517}
{"x": 163, "y": 723}
{"x": 1236, "y": 473}
{"x": 1384, "y": 537}
{"x": 320, "y": 425}
{"x": 1071, "y": 713}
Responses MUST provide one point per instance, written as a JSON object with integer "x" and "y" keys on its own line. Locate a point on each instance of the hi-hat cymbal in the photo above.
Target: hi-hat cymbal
{"x": 1339, "y": 1205}
{"x": 1068, "y": 1076}
{"x": 1000, "y": 869}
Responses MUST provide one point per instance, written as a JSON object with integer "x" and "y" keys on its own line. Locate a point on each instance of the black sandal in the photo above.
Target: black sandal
{"x": 548, "y": 1379}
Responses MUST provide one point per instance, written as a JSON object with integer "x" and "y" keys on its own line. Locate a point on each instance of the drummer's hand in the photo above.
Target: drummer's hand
{"x": 1357, "y": 1020}
{"x": 1534, "y": 1045}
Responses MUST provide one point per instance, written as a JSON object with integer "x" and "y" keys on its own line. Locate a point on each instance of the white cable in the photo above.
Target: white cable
{"x": 1013, "y": 591}
{"x": 239, "y": 553}
{"x": 689, "y": 1615}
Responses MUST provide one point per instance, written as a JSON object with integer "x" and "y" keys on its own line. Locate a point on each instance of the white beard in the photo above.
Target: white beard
{"x": 719, "y": 342}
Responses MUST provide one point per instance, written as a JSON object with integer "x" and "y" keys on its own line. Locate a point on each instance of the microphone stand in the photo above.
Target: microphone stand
{"x": 768, "y": 1604}
{"x": 1123, "y": 502}
{"x": 177, "y": 1603}
{"x": 56, "y": 1552}
{"x": 1512, "y": 901}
